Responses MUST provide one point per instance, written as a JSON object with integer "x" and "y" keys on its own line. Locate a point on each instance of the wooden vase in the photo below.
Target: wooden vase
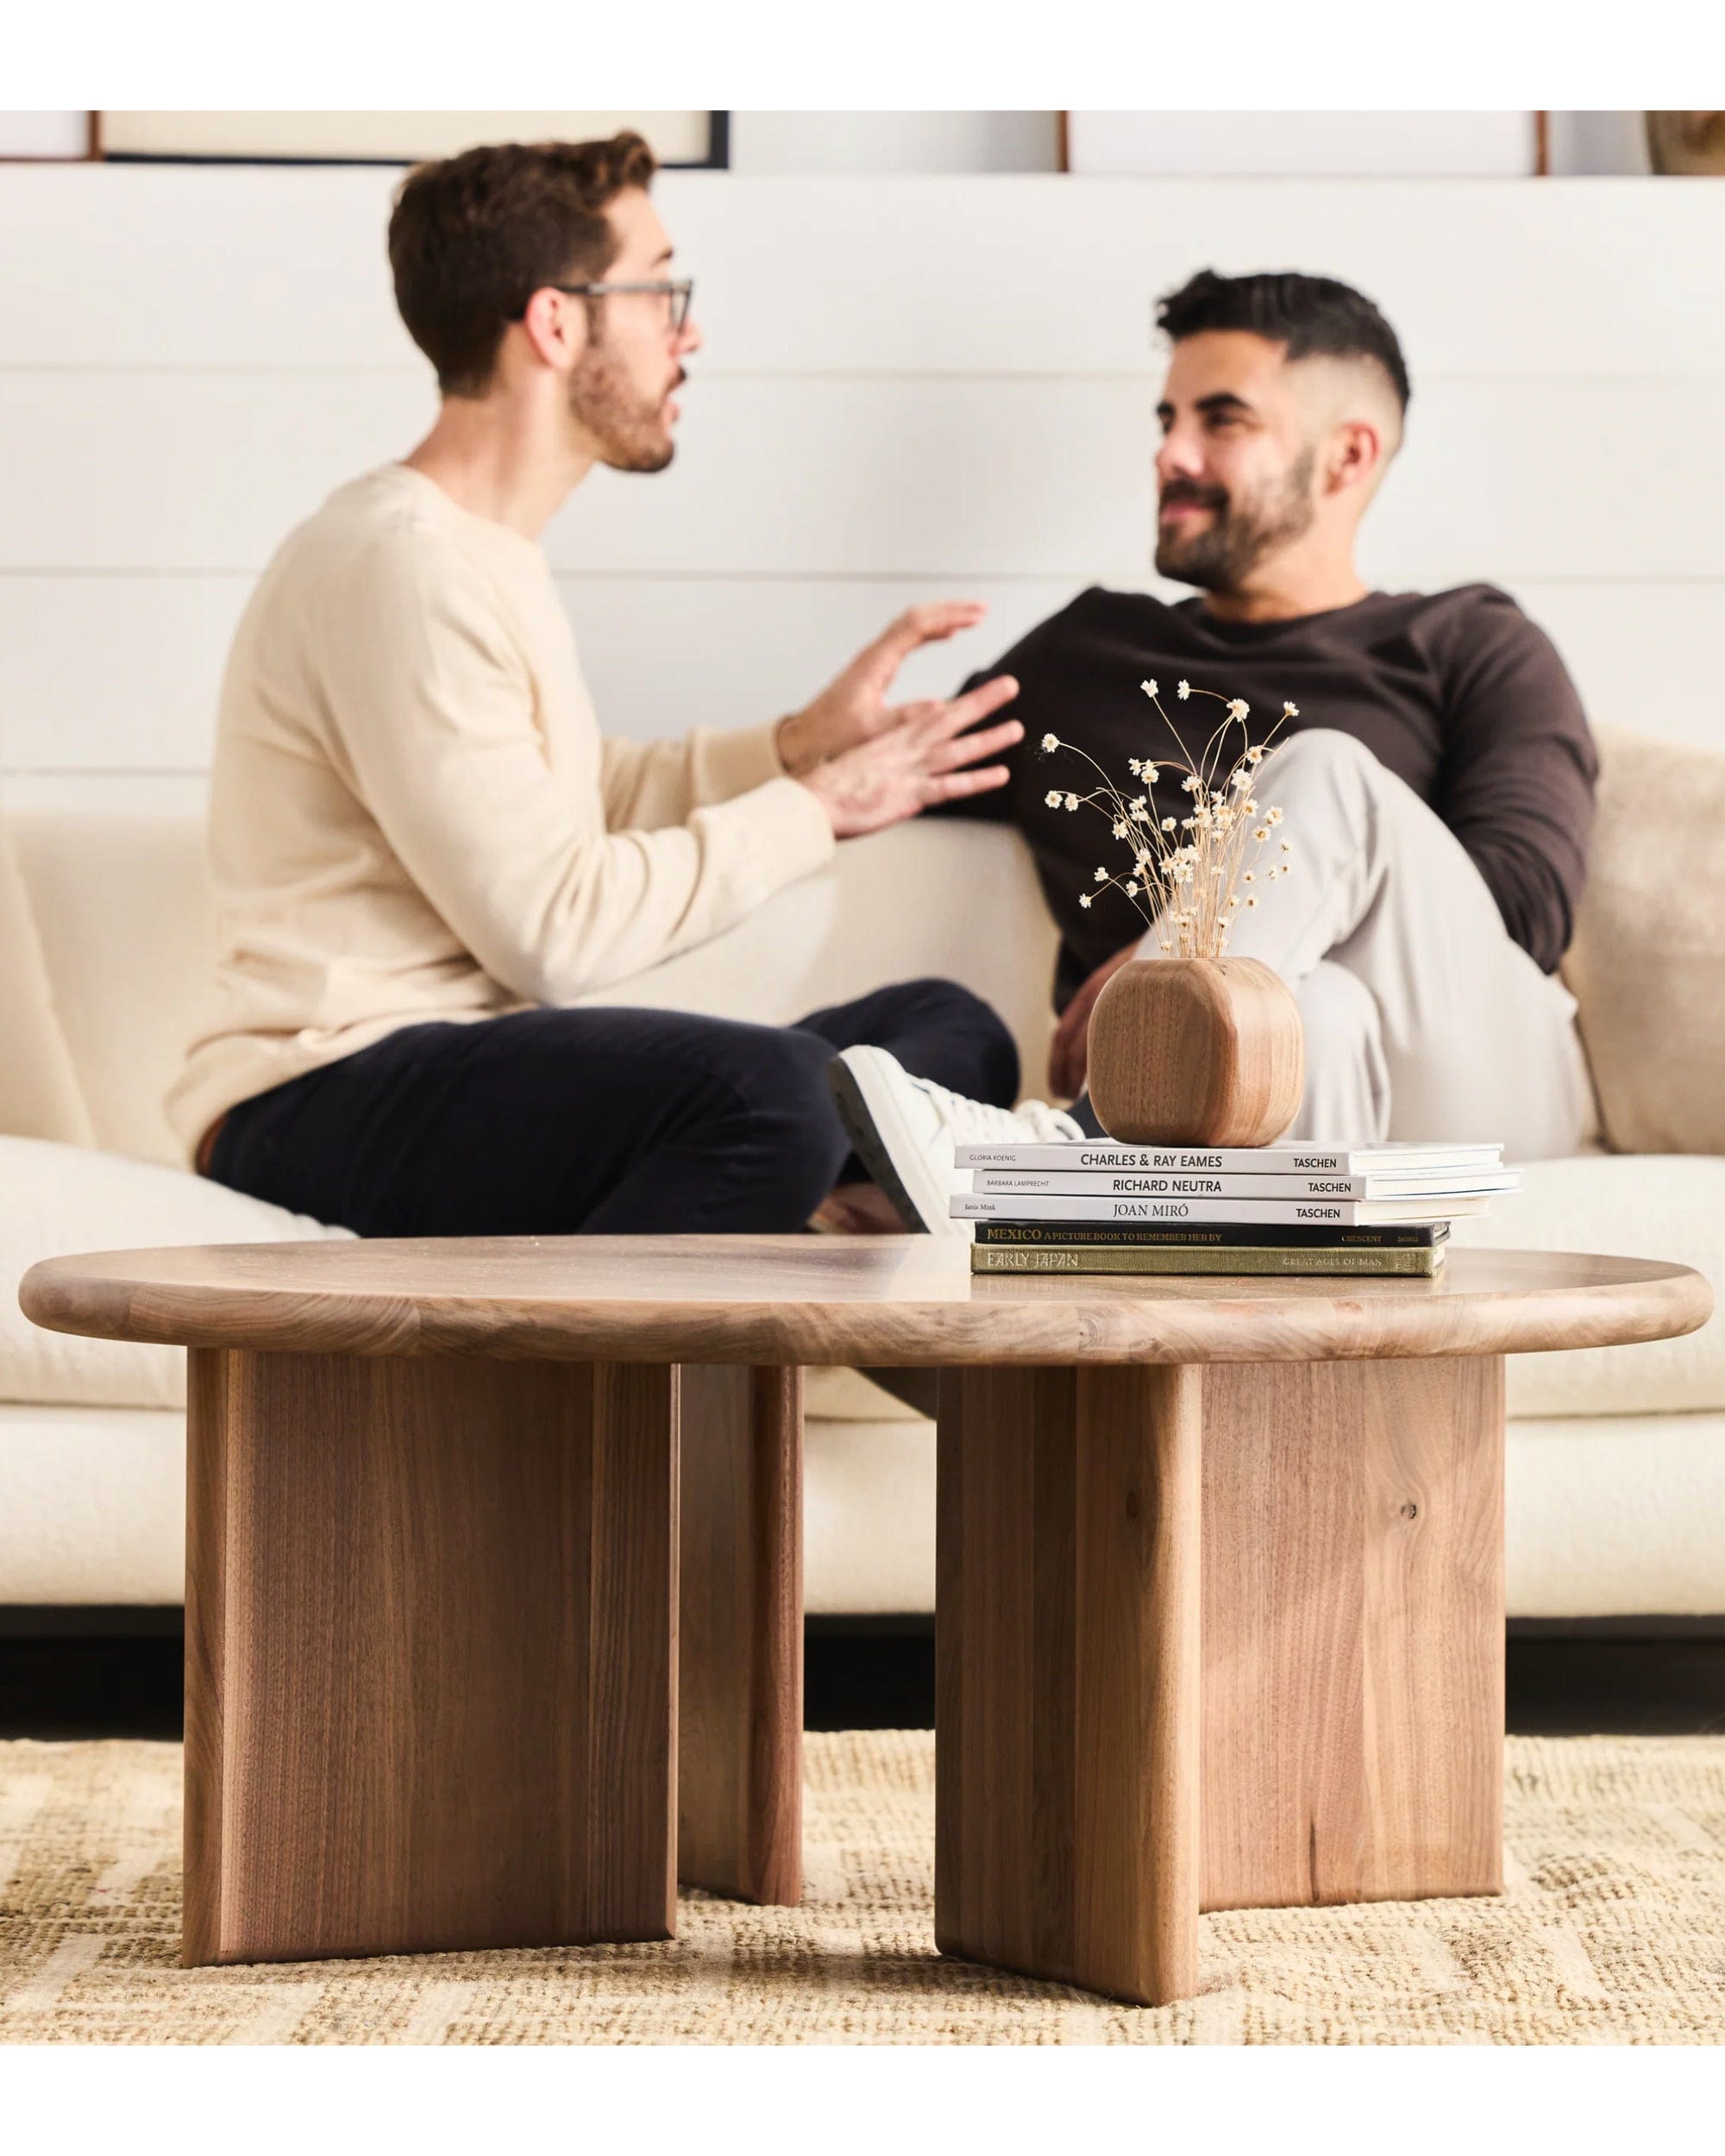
{"x": 1196, "y": 1051}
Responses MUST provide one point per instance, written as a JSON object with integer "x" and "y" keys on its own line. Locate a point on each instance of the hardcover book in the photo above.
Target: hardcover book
{"x": 995, "y": 1182}
{"x": 1211, "y": 1235}
{"x": 1341, "y": 1213}
{"x": 1064, "y": 1155}
{"x": 1241, "y": 1258}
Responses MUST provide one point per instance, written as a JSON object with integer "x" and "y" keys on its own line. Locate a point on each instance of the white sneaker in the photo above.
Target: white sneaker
{"x": 905, "y": 1131}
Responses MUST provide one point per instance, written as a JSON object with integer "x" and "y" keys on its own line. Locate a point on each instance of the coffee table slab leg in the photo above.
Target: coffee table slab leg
{"x": 431, "y": 1654}
{"x": 740, "y": 1786}
{"x": 1067, "y": 1652}
{"x": 1353, "y": 1631}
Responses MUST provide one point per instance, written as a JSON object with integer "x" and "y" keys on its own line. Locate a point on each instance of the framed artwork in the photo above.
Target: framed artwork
{"x": 700, "y": 140}
{"x": 46, "y": 138}
{"x": 1315, "y": 145}
{"x": 1692, "y": 143}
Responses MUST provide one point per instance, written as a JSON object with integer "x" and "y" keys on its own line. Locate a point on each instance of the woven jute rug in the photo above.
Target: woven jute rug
{"x": 1612, "y": 1930}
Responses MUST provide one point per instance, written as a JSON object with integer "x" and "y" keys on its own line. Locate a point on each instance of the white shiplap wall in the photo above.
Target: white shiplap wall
{"x": 911, "y": 387}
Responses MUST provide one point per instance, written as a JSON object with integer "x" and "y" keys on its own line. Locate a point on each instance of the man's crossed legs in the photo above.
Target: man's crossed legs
{"x": 595, "y": 1121}
{"x": 1424, "y": 1019}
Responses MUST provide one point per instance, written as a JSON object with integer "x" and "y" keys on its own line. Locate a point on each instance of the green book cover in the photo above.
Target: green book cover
{"x": 1048, "y": 1257}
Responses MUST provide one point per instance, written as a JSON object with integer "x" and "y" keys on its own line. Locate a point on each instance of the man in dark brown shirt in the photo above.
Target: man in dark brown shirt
{"x": 1433, "y": 768}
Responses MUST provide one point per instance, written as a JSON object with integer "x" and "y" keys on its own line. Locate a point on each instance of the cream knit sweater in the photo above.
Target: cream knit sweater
{"x": 413, "y": 815}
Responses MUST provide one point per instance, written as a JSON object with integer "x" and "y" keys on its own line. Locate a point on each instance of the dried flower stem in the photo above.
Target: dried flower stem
{"x": 1193, "y": 882}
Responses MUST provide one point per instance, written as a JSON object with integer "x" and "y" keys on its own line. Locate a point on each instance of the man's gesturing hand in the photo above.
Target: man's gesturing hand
{"x": 1069, "y": 1059}
{"x": 854, "y": 707}
{"x": 919, "y": 759}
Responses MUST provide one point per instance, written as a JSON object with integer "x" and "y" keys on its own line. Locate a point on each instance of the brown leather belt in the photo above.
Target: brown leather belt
{"x": 206, "y": 1144}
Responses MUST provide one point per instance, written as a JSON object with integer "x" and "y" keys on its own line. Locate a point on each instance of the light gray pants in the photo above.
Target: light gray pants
{"x": 1423, "y": 1018}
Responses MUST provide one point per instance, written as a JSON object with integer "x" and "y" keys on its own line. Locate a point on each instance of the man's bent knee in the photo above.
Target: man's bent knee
{"x": 1318, "y": 748}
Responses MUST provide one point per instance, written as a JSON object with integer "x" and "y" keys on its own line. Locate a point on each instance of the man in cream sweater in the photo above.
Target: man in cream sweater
{"x": 424, "y": 850}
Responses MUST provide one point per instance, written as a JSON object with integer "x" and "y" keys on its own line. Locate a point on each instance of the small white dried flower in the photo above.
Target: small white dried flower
{"x": 1140, "y": 814}
{"x": 1287, "y": 845}
{"x": 1260, "y": 835}
{"x": 1149, "y": 687}
{"x": 1050, "y": 740}
{"x": 1251, "y": 901}
{"x": 1274, "y": 817}
{"x": 1150, "y": 774}
{"x": 1254, "y": 755}
{"x": 1192, "y": 784}
{"x": 1183, "y": 691}
{"x": 1240, "y": 708}
{"x": 1250, "y": 878}
{"x": 1084, "y": 898}
{"x": 1050, "y": 800}
{"x": 1290, "y": 711}
{"x": 1119, "y": 827}
{"x": 1134, "y": 766}
{"x": 1242, "y": 777}
{"x": 1072, "y": 800}
{"x": 1168, "y": 822}
{"x": 1131, "y": 889}
{"x": 1167, "y": 945}
{"x": 1101, "y": 876}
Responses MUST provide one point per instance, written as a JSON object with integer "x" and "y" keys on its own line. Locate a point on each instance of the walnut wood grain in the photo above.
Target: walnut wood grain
{"x": 430, "y": 1680}
{"x": 1354, "y": 1631}
{"x": 388, "y": 1747}
{"x": 741, "y": 1715}
{"x": 1066, "y": 1643}
{"x": 1196, "y": 1051}
{"x": 890, "y": 1299}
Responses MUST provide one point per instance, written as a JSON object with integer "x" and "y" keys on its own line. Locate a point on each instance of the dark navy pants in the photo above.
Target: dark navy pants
{"x": 618, "y": 1122}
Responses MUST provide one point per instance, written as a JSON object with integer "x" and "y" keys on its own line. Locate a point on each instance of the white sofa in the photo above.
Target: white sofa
{"x": 1616, "y": 1458}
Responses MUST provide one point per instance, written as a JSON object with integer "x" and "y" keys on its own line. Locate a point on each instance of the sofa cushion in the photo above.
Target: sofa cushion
{"x": 1615, "y": 1516}
{"x": 1648, "y": 964}
{"x": 122, "y": 905}
{"x": 956, "y": 901}
{"x": 92, "y": 1504}
{"x": 38, "y": 1089}
{"x": 56, "y": 1199}
{"x": 1659, "y": 1205}
{"x": 832, "y": 1393}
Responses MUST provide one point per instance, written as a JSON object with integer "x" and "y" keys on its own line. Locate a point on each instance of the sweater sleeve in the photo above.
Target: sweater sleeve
{"x": 1520, "y": 767}
{"x": 649, "y": 784}
{"x": 432, "y": 705}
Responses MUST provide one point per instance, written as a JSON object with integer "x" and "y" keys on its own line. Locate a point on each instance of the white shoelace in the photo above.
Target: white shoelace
{"x": 975, "y": 1122}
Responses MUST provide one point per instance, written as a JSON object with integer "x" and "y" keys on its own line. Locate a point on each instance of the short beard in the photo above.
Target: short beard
{"x": 631, "y": 436}
{"x": 1241, "y": 535}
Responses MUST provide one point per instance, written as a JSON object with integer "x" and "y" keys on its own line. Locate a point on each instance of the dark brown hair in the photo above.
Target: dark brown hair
{"x": 472, "y": 238}
{"x": 1306, "y": 314}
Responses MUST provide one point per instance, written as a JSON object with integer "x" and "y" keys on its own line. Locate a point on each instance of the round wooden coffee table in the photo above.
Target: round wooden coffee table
{"x": 1220, "y": 1584}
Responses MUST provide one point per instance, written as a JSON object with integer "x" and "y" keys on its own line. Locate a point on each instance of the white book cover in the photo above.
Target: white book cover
{"x": 1071, "y": 1154}
{"x": 1332, "y": 1213}
{"x": 1440, "y": 1183}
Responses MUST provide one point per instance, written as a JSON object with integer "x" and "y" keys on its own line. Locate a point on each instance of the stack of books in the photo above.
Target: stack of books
{"x": 1096, "y": 1206}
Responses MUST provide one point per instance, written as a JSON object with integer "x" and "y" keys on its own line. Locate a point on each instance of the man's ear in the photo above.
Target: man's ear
{"x": 555, "y": 327}
{"x": 1355, "y": 457}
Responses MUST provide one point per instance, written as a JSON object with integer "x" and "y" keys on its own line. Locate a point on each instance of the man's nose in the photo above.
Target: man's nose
{"x": 1180, "y": 455}
{"x": 689, "y": 337}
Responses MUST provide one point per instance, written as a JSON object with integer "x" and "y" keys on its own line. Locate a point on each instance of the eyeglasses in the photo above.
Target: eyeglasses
{"x": 676, "y": 293}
